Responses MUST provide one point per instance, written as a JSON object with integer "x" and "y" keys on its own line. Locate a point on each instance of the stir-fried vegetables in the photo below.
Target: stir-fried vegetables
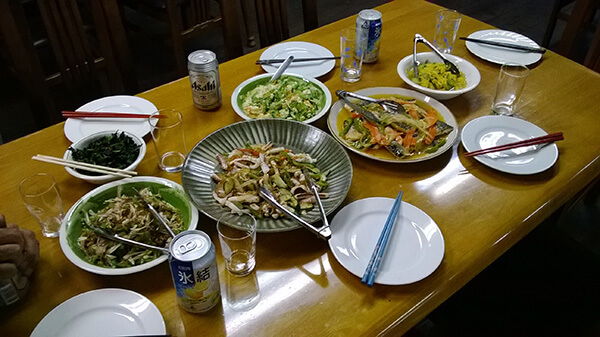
{"x": 128, "y": 217}
{"x": 288, "y": 98}
{"x": 412, "y": 132}
{"x": 276, "y": 168}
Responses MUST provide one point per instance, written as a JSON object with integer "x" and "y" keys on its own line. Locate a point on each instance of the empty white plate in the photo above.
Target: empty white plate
{"x": 77, "y": 128}
{"x": 299, "y": 49}
{"x": 414, "y": 251}
{"x": 501, "y": 55}
{"x": 488, "y": 131}
{"x": 102, "y": 312}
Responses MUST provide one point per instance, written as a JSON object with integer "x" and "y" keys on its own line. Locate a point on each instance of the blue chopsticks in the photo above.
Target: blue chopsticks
{"x": 369, "y": 276}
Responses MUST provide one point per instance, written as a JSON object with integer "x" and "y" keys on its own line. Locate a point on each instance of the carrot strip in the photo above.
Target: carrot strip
{"x": 431, "y": 132}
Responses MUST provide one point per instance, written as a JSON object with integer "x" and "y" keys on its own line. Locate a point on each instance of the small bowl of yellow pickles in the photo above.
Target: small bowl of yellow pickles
{"x": 435, "y": 79}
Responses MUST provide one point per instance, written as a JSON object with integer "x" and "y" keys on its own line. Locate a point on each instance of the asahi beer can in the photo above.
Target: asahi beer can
{"x": 203, "y": 68}
{"x": 369, "y": 21}
{"x": 194, "y": 269}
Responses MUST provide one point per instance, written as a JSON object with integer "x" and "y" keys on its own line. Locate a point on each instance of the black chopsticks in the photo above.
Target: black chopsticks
{"x": 506, "y": 45}
{"x": 306, "y": 59}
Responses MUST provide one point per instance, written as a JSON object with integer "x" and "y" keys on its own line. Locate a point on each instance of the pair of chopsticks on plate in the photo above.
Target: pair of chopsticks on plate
{"x": 306, "y": 59}
{"x": 553, "y": 137}
{"x": 369, "y": 275}
{"x": 506, "y": 45}
{"x": 102, "y": 114}
{"x": 85, "y": 166}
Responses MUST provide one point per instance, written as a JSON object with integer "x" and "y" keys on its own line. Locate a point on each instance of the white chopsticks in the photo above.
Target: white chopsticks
{"x": 85, "y": 166}
{"x": 369, "y": 275}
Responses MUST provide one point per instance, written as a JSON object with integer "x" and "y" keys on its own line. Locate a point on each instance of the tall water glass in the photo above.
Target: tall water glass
{"x": 511, "y": 81}
{"x": 42, "y": 198}
{"x": 353, "y": 43}
{"x": 168, "y": 139}
{"x": 447, "y": 22}
{"x": 238, "y": 244}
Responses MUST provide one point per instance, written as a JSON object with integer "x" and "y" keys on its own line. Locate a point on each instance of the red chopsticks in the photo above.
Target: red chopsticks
{"x": 100, "y": 114}
{"x": 553, "y": 137}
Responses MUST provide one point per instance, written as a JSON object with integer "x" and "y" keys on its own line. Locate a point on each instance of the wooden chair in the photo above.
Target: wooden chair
{"x": 86, "y": 55}
{"x": 578, "y": 23}
{"x": 186, "y": 19}
{"x": 271, "y": 17}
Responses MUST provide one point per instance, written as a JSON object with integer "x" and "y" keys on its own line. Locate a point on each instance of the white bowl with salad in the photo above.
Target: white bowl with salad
{"x": 116, "y": 149}
{"x": 292, "y": 96}
{"x": 435, "y": 80}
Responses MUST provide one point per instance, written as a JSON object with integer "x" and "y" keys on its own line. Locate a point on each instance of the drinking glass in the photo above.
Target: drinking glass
{"x": 447, "y": 22}
{"x": 511, "y": 81}
{"x": 42, "y": 198}
{"x": 353, "y": 43}
{"x": 238, "y": 244}
{"x": 169, "y": 139}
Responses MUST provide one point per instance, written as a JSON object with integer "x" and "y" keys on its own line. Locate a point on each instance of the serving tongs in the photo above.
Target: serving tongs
{"x": 116, "y": 238}
{"x": 387, "y": 104}
{"x": 323, "y": 232}
{"x": 155, "y": 213}
{"x": 315, "y": 190}
{"x": 449, "y": 65}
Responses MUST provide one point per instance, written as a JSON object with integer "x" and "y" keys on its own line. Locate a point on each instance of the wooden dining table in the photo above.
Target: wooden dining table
{"x": 298, "y": 287}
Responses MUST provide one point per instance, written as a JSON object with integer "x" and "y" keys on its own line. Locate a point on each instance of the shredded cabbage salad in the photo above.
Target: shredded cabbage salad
{"x": 276, "y": 168}
{"x": 287, "y": 98}
{"x": 128, "y": 217}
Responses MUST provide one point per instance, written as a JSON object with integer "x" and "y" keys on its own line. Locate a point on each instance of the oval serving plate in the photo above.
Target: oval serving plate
{"x": 201, "y": 163}
{"x": 70, "y": 229}
{"x": 336, "y": 108}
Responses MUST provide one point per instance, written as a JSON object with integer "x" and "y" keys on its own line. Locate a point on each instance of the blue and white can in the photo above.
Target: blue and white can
{"x": 194, "y": 269}
{"x": 369, "y": 21}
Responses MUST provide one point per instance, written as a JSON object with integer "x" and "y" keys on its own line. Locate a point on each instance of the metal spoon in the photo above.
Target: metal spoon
{"x": 282, "y": 68}
{"x": 419, "y": 38}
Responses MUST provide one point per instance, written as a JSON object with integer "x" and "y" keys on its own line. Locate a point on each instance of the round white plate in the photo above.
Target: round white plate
{"x": 415, "y": 248}
{"x": 299, "y": 50}
{"x": 448, "y": 119}
{"x": 501, "y": 55}
{"x": 77, "y": 128}
{"x": 488, "y": 131}
{"x": 102, "y": 312}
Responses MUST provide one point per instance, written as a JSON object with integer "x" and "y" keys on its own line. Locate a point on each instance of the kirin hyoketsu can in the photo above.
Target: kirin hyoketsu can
{"x": 369, "y": 21}
{"x": 194, "y": 269}
{"x": 203, "y": 68}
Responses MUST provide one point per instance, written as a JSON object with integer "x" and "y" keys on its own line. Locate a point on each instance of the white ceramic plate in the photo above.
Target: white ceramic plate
{"x": 299, "y": 50}
{"x": 414, "y": 251}
{"x": 488, "y": 131}
{"x": 70, "y": 228}
{"x": 102, "y": 312}
{"x": 501, "y": 55}
{"x": 448, "y": 119}
{"x": 77, "y": 128}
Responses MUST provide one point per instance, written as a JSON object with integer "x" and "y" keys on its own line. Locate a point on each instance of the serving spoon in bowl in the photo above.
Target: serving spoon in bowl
{"x": 282, "y": 68}
{"x": 420, "y": 39}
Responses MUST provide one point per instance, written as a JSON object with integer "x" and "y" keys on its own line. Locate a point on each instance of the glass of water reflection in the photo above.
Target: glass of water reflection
{"x": 238, "y": 243}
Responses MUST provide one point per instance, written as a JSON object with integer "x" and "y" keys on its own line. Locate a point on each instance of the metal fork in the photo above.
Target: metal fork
{"x": 387, "y": 104}
{"x": 420, "y": 39}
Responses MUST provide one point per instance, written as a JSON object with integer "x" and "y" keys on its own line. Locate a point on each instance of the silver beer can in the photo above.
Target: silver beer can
{"x": 194, "y": 269}
{"x": 369, "y": 21}
{"x": 203, "y": 68}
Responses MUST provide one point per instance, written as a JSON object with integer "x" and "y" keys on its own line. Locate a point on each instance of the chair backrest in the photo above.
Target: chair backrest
{"x": 87, "y": 44}
{"x": 272, "y": 19}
